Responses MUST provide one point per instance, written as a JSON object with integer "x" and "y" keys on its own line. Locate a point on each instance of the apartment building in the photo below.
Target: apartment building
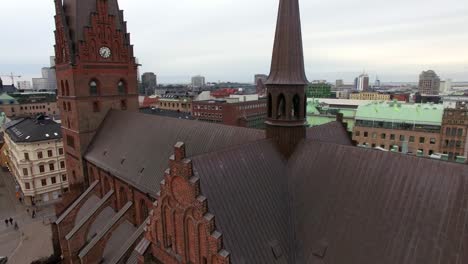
{"x": 455, "y": 132}
{"x": 35, "y": 154}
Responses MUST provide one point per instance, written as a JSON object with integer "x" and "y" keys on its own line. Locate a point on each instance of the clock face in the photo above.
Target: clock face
{"x": 105, "y": 52}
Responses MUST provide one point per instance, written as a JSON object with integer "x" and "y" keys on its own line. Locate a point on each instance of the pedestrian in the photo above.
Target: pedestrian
{"x": 34, "y": 213}
{"x": 6, "y": 222}
{"x": 27, "y": 210}
{"x": 11, "y": 221}
{"x": 16, "y": 226}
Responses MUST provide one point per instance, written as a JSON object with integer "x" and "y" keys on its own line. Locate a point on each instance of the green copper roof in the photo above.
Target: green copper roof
{"x": 6, "y": 99}
{"x": 427, "y": 114}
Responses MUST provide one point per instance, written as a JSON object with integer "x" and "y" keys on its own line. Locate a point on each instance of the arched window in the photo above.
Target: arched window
{"x": 121, "y": 87}
{"x": 281, "y": 108}
{"x": 296, "y": 107}
{"x": 93, "y": 88}
{"x": 64, "y": 106}
{"x": 269, "y": 105}
{"x": 62, "y": 87}
{"x": 67, "y": 89}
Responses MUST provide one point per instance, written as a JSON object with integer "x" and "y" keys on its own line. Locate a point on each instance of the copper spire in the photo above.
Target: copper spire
{"x": 287, "y": 65}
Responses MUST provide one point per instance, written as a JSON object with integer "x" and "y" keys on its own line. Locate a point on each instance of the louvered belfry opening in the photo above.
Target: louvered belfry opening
{"x": 287, "y": 82}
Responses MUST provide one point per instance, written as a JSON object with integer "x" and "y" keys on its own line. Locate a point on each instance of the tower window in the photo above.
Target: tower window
{"x": 93, "y": 88}
{"x": 281, "y": 109}
{"x": 296, "y": 109}
{"x": 269, "y": 105}
{"x": 123, "y": 104}
{"x": 96, "y": 107}
{"x": 67, "y": 89}
{"x": 122, "y": 89}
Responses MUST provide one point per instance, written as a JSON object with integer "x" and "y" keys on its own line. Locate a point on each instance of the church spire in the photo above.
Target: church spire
{"x": 286, "y": 85}
{"x": 287, "y": 65}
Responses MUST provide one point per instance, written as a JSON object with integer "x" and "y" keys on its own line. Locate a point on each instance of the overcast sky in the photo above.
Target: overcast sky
{"x": 231, "y": 40}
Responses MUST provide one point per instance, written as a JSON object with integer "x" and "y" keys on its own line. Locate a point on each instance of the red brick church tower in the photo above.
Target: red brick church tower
{"x": 96, "y": 72}
{"x": 286, "y": 121}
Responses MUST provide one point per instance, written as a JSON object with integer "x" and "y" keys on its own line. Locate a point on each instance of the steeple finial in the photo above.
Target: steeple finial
{"x": 287, "y": 66}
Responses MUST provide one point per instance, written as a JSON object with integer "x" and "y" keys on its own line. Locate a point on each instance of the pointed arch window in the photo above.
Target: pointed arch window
{"x": 270, "y": 101}
{"x": 122, "y": 87}
{"x": 93, "y": 88}
{"x": 67, "y": 89}
{"x": 62, "y": 87}
{"x": 296, "y": 107}
{"x": 281, "y": 108}
{"x": 122, "y": 196}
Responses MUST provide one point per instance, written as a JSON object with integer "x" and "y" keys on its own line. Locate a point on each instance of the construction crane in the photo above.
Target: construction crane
{"x": 12, "y": 77}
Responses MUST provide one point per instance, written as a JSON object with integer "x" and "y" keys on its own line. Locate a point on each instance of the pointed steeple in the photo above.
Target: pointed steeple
{"x": 287, "y": 66}
{"x": 286, "y": 122}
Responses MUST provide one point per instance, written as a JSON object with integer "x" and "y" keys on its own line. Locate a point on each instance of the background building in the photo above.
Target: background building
{"x": 411, "y": 128}
{"x": 429, "y": 83}
{"x": 29, "y": 104}
{"x": 174, "y": 103}
{"x": 36, "y": 158}
{"x": 149, "y": 83}
{"x": 339, "y": 83}
{"x": 24, "y": 85}
{"x": 454, "y": 141}
{"x": 198, "y": 81}
{"x": 239, "y": 111}
{"x": 319, "y": 89}
{"x": 370, "y": 96}
{"x": 362, "y": 83}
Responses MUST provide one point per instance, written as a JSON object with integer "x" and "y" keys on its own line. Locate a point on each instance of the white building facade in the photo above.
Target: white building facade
{"x": 37, "y": 161}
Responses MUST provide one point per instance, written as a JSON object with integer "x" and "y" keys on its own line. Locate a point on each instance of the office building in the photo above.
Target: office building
{"x": 149, "y": 83}
{"x": 362, "y": 83}
{"x": 198, "y": 81}
{"x": 410, "y": 128}
{"x": 339, "y": 83}
{"x": 319, "y": 89}
{"x": 24, "y": 85}
{"x": 429, "y": 83}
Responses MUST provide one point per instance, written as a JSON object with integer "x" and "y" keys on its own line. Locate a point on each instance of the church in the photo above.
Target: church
{"x": 150, "y": 189}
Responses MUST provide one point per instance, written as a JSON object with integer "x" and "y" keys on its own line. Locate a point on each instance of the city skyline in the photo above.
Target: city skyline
{"x": 338, "y": 43}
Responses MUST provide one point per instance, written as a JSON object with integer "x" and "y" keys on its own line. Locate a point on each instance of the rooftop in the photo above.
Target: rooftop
{"x": 26, "y": 130}
{"x": 427, "y": 114}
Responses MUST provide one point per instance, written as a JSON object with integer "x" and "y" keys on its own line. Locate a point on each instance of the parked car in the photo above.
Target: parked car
{"x": 3, "y": 260}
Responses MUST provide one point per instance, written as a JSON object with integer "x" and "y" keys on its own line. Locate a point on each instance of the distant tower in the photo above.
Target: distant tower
{"x": 377, "y": 82}
{"x": 429, "y": 83}
{"x": 96, "y": 72}
{"x": 286, "y": 85}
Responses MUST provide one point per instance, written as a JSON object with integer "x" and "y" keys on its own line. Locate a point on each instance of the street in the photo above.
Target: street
{"x": 33, "y": 239}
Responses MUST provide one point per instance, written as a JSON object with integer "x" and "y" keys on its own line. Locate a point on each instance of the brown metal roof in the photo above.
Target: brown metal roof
{"x": 136, "y": 147}
{"x": 246, "y": 187}
{"x": 333, "y": 132}
{"x": 287, "y": 65}
{"x": 353, "y": 205}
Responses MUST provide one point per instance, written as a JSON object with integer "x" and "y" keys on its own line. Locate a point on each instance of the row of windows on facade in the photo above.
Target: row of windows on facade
{"x": 453, "y": 131}
{"x": 173, "y": 105}
{"x": 39, "y": 154}
{"x": 93, "y": 87}
{"x": 453, "y": 143}
{"x": 422, "y": 140}
{"x": 42, "y": 168}
{"x": 34, "y": 107}
{"x": 400, "y": 148}
{"x": 53, "y": 180}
